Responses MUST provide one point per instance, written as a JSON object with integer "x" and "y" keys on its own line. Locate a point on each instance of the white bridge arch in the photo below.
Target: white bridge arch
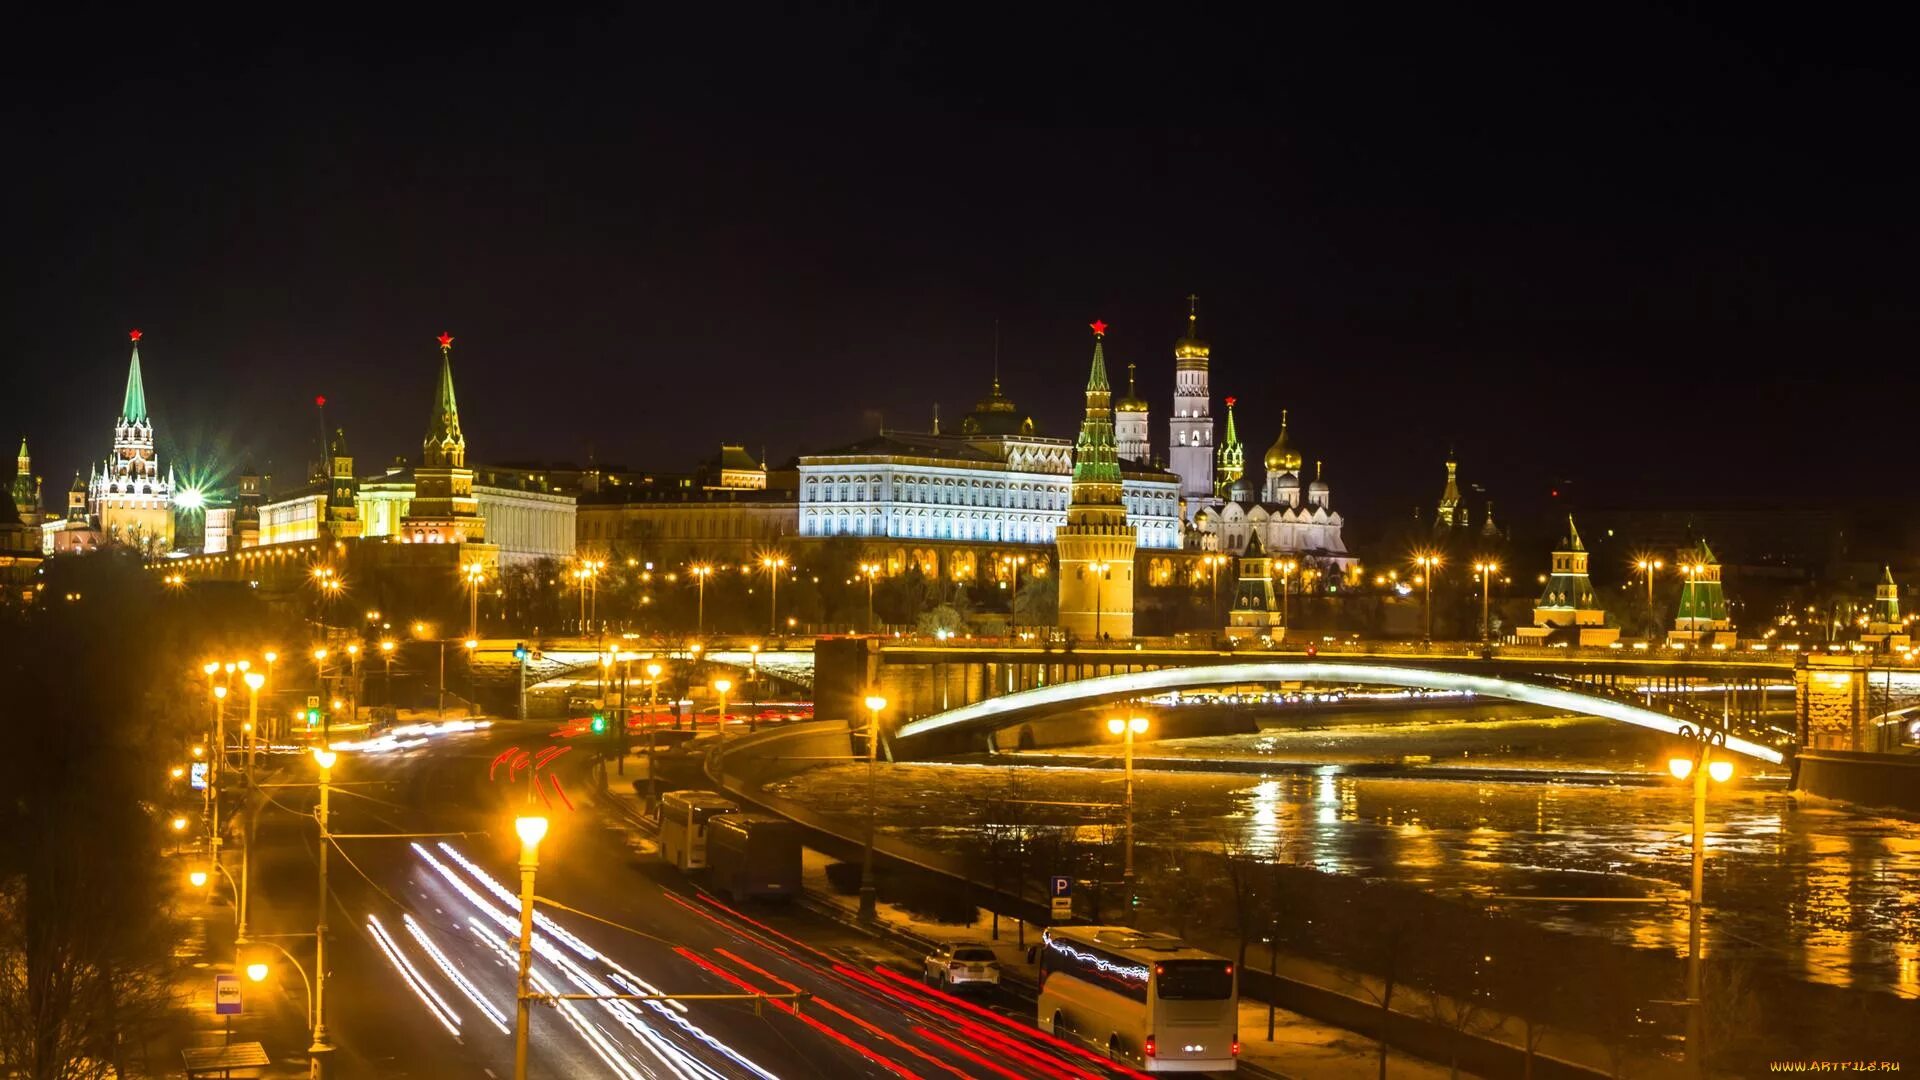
{"x": 998, "y": 711}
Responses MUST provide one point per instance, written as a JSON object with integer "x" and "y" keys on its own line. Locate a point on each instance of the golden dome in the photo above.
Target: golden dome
{"x": 1130, "y": 402}
{"x": 1281, "y": 455}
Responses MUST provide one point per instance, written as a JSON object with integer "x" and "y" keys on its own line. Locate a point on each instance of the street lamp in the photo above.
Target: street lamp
{"x": 258, "y": 970}
{"x": 254, "y": 681}
{"x": 1013, "y": 563}
{"x": 1287, "y": 567}
{"x": 653, "y": 670}
{"x": 1647, "y": 565}
{"x": 475, "y": 573}
{"x": 1428, "y": 562}
{"x": 1486, "y": 569}
{"x": 532, "y": 830}
{"x": 320, "y": 1052}
{"x": 1099, "y": 568}
{"x": 868, "y": 902}
{"x": 773, "y": 564}
{"x": 1127, "y": 728}
{"x": 217, "y": 766}
{"x": 1720, "y": 770}
{"x": 701, "y": 572}
{"x": 871, "y": 571}
{"x": 720, "y": 687}
{"x": 387, "y": 645}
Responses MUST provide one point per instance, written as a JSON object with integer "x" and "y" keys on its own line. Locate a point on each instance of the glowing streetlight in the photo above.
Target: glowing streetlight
{"x": 1486, "y": 568}
{"x": 532, "y": 830}
{"x": 773, "y": 564}
{"x": 1100, "y": 569}
{"x": 1127, "y": 728}
{"x": 701, "y": 572}
{"x": 198, "y": 879}
{"x": 1429, "y": 564}
{"x": 868, "y": 901}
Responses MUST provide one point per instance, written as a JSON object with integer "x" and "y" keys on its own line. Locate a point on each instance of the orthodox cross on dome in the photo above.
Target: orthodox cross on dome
{"x": 1099, "y": 328}
{"x": 133, "y": 335}
{"x": 445, "y": 339}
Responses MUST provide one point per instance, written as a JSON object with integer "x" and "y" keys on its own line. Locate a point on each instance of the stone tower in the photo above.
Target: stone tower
{"x": 1130, "y": 425}
{"x": 1702, "y": 619}
{"x": 443, "y": 510}
{"x": 1568, "y": 609}
{"x": 26, "y": 487}
{"x": 1190, "y": 429}
{"x": 343, "y": 489}
{"x": 1095, "y": 546}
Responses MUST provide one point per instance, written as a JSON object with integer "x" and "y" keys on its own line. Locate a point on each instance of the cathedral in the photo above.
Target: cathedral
{"x": 129, "y": 502}
{"x": 1294, "y": 520}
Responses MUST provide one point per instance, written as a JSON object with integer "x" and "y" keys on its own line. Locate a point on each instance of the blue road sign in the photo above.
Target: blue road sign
{"x": 226, "y": 995}
{"x": 1062, "y": 894}
{"x": 198, "y": 776}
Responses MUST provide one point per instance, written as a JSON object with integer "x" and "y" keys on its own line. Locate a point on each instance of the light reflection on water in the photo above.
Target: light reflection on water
{"x": 1818, "y": 890}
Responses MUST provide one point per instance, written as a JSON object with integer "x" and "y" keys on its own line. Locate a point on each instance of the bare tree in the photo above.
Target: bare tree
{"x": 1003, "y": 813}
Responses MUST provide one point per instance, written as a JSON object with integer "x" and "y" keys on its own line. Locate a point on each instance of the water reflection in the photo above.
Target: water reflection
{"x": 1816, "y": 890}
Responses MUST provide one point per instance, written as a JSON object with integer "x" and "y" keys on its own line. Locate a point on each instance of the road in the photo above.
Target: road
{"x": 423, "y": 933}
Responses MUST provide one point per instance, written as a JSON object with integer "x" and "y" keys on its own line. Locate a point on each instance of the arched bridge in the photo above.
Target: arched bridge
{"x": 983, "y": 717}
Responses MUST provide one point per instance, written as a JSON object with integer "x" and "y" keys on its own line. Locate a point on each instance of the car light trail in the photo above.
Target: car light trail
{"x": 440, "y": 1010}
{"x": 719, "y": 1047}
{"x": 957, "y": 1050}
{"x": 453, "y": 975}
{"x": 600, "y": 1044}
{"x": 898, "y": 1069}
{"x": 512, "y": 902}
{"x": 823, "y": 1003}
{"x": 673, "y": 1057}
{"x": 1034, "y": 1034}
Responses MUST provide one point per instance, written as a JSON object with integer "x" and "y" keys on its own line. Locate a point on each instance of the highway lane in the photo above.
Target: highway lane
{"x": 425, "y": 929}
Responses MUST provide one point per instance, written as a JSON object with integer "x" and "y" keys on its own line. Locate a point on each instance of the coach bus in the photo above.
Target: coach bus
{"x": 1145, "y": 1000}
{"x": 683, "y": 825}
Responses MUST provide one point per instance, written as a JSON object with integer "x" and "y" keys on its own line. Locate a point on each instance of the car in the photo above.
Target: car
{"x": 962, "y": 963}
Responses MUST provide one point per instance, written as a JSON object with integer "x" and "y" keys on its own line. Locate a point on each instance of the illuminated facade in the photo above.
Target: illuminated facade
{"x": 1190, "y": 428}
{"x": 1095, "y": 547}
{"x": 997, "y": 481}
{"x": 128, "y": 500}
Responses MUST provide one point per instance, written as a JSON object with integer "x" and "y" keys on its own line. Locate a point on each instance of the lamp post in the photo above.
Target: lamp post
{"x": 1127, "y": 728}
{"x": 1647, "y": 565}
{"x": 1099, "y": 568}
{"x": 258, "y": 970}
{"x": 353, "y": 682}
{"x": 532, "y": 830}
{"x": 773, "y": 564}
{"x": 217, "y": 766}
{"x": 1287, "y": 567}
{"x": 753, "y": 686}
{"x": 1485, "y": 568}
{"x": 869, "y": 571}
{"x": 1699, "y": 771}
{"x": 1213, "y": 561}
{"x": 868, "y": 901}
{"x": 1013, "y": 563}
{"x": 254, "y": 681}
{"x": 701, "y": 572}
{"x": 1428, "y": 562}
{"x": 720, "y": 687}
{"x": 474, "y": 573}
{"x": 320, "y": 1053}
{"x": 653, "y": 700}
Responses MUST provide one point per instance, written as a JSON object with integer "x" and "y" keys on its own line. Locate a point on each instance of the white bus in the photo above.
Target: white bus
{"x": 683, "y": 825}
{"x": 1149, "y": 1001}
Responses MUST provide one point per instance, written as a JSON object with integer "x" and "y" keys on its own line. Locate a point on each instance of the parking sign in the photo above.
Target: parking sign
{"x": 1062, "y": 895}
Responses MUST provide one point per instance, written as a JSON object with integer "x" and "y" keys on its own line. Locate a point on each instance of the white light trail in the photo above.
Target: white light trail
{"x": 453, "y": 974}
{"x": 440, "y": 1010}
{"x": 600, "y": 1044}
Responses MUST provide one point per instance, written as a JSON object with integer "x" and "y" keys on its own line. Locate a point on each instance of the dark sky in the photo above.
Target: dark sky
{"x": 1634, "y": 255}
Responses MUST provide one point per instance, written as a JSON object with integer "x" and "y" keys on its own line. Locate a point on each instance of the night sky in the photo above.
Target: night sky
{"x": 1632, "y": 256}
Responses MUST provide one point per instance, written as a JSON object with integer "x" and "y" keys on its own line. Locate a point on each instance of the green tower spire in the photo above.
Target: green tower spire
{"x": 444, "y": 443}
{"x": 133, "y": 408}
{"x": 1096, "y": 459}
{"x": 1231, "y": 459}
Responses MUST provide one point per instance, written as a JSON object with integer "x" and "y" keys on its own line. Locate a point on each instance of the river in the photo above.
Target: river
{"x": 1554, "y": 806}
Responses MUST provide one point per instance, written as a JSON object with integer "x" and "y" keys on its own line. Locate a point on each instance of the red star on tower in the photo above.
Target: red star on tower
{"x": 446, "y": 340}
{"x": 1230, "y": 402}
{"x": 1099, "y": 328}
{"x": 133, "y": 335}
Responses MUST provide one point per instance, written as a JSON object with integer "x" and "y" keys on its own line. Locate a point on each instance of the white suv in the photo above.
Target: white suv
{"x": 962, "y": 963}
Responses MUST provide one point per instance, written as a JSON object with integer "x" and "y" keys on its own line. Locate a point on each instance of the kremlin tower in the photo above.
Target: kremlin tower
{"x": 1095, "y": 547}
{"x": 128, "y": 500}
{"x": 1230, "y": 465}
{"x": 443, "y": 510}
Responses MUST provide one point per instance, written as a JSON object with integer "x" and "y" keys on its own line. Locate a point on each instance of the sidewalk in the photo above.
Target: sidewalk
{"x": 204, "y": 948}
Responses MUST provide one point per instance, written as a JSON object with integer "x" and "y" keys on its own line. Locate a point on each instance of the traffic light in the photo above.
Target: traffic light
{"x": 520, "y": 652}
{"x": 313, "y": 717}
{"x": 599, "y": 723}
